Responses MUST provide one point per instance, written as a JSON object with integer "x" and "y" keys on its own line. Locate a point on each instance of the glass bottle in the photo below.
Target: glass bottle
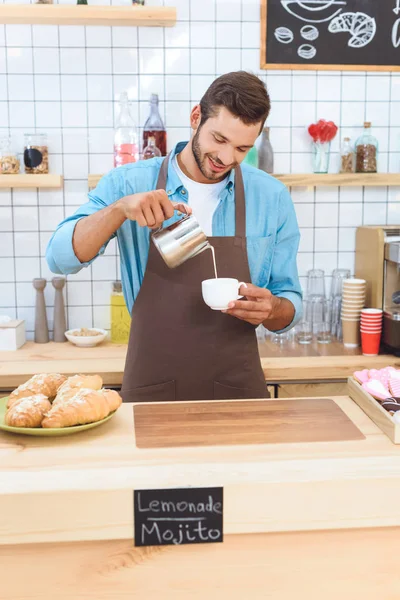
{"x": 265, "y": 153}
{"x": 154, "y": 127}
{"x": 9, "y": 163}
{"x": 120, "y": 317}
{"x": 347, "y": 157}
{"x": 126, "y": 146}
{"x": 151, "y": 149}
{"x": 36, "y": 153}
{"x": 367, "y": 151}
{"x": 252, "y": 157}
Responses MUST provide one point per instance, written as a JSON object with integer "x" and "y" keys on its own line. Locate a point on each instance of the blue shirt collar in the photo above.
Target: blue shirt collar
{"x": 174, "y": 183}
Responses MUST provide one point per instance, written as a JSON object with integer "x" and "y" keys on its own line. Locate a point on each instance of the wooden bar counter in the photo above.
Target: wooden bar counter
{"x": 281, "y": 364}
{"x": 301, "y": 520}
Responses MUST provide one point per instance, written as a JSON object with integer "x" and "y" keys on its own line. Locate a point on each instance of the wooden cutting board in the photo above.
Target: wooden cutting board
{"x": 241, "y": 422}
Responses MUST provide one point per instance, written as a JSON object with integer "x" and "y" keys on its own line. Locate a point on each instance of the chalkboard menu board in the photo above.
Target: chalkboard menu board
{"x": 178, "y": 516}
{"x": 330, "y": 34}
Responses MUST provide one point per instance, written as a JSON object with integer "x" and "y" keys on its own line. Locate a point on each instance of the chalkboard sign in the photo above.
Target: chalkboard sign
{"x": 330, "y": 34}
{"x": 178, "y": 516}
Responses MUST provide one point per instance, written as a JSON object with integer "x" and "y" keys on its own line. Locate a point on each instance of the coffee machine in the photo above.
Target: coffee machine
{"x": 378, "y": 261}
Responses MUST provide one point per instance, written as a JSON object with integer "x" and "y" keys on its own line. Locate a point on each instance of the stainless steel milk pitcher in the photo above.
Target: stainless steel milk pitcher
{"x": 180, "y": 241}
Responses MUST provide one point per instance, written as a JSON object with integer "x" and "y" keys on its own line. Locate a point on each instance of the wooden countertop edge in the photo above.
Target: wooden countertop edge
{"x": 267, "y": 488}
{"x": 109, "y": 360}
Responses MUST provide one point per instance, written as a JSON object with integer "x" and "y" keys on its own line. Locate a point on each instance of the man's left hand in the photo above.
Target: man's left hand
{"x": 259, "y": 306}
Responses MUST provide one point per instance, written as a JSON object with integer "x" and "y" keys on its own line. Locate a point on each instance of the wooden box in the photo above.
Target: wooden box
{"x": 381, "y": 417}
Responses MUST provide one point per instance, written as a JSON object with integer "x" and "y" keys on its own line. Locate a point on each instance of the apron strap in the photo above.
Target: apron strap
{"x": 162, "y": 175}
{"x": 240, "y": 204}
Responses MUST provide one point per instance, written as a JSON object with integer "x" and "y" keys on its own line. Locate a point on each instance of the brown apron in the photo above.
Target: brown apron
{"x": 180, "y": 349}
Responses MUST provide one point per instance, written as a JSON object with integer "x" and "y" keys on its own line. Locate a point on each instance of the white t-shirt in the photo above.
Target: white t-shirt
{"x": 202, "y": 197}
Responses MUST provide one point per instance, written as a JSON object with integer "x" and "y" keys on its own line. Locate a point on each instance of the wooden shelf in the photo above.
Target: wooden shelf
{"x": 315, "y": 180}
{"x": 63, "y": 14}
{"x": 31, "y": 181}
{"x": 340, "y": 179}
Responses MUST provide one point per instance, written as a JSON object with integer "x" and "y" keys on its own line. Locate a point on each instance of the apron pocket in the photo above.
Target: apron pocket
{"x": 160, "y": 392}
{"x": 228, "y": 392}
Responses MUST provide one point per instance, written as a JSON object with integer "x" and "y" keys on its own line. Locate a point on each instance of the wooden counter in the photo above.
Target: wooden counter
{"x": 288, "y": 363}
{"x": 321, "y": 517}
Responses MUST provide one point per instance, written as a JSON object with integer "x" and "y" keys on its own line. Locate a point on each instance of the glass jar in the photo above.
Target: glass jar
{"x": 120, "y": 317}
{"x": 9, "y": 163}
{"x": 347, "y": 157}
{"x": 367, "y": 152}
{"x": 36, "y": 153}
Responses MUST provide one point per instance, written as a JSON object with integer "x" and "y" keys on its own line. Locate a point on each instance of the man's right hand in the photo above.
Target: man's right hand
{"x": 151, "y": 209}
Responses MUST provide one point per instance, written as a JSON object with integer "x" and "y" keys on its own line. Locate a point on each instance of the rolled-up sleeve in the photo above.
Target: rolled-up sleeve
{"x": 60, "y": 254}
{"x": 284, "y": 280}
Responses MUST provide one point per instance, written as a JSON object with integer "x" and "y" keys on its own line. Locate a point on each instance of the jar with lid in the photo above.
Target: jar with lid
{"x": 367, "y": 151}
{"x": 9, "y": 163}
{"x": 347, "y": 157}
{"x": 36, "y": 153}
{"x": 120, "y": 317}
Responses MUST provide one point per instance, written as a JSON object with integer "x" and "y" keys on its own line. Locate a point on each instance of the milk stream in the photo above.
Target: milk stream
{"x": 209, "y": 247}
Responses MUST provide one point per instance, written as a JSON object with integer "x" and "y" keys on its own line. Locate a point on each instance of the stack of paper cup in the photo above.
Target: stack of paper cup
{"x": 371, "y": 330}
{"x": 353, "y": 300}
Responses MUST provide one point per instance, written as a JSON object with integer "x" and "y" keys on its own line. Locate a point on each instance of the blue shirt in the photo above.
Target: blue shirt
{"x": 271, "y": 228}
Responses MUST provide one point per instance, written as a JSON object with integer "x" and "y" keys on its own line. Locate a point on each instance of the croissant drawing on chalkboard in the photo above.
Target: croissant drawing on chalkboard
{"x": 362, "y": 28}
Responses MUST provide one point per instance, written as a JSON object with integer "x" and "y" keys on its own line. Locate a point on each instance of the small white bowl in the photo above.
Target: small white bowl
{"x": 86, "y": 341}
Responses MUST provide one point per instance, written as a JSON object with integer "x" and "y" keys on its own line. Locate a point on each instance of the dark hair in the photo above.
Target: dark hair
{"x": 242, "y": 93}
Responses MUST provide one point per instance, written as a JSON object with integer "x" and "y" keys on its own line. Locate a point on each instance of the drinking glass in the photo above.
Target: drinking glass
{"x": 279, "y": 338}
{"x": 324, "y": 333}
{"x": 317, "y": 309}
{"x": 304, "y": 334}
{"x": 315, "y": 283}
{"x": 338, "y": 275}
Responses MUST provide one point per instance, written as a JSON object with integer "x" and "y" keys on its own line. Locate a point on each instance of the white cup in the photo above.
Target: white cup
{"x": 217, "y": 293}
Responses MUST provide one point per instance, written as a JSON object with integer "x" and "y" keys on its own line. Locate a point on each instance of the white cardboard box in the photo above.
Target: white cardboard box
{"x": 12, "y": 335}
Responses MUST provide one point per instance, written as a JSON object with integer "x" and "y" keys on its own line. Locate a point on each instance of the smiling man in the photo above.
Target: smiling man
{"x": 179, "y": 349}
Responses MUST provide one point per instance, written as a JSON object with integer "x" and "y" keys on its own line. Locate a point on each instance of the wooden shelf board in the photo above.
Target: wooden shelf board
{"x": 31, "y": 181}
{"x": 63, "y": 14}
{"x": 314, "y": 180}
{"x": 340, "y": 179}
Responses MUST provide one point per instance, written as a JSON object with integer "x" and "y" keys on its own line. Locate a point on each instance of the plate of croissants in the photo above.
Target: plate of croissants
{"x": 53, "y": 404}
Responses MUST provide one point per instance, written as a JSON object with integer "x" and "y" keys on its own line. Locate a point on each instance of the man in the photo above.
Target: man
{"x": 179, "y": 349}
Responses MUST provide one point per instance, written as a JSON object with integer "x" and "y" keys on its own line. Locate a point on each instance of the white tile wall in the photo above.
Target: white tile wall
{"x": 66, "y": 81}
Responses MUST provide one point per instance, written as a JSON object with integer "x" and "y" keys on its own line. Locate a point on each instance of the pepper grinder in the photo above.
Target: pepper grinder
{"x": 59, "y": 326}
{"x": 41, "y": 326}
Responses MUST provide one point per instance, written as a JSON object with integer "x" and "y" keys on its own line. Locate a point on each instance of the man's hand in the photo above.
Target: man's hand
{"x": 261, "y": 306}
{"x": 151, "y": 209}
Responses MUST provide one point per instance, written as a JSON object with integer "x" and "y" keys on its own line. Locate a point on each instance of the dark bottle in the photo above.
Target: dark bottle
{"x": 154, "y": 127}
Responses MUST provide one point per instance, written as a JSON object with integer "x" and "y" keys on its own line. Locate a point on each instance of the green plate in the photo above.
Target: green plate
{"x": 39, "y": 431}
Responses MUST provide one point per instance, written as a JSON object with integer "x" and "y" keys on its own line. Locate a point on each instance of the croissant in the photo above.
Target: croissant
{"x": 28, "y": 411}
{"x": 73, "y": 384}
{"x": 87, "y": 406}
{"x": 44, "y": 383}
{"x": 113, "y": 398}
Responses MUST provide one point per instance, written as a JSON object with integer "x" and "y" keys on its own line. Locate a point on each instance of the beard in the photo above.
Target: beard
{"x": 202, "y": 161}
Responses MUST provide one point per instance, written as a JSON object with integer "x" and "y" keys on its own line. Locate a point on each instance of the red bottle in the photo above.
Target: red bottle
{"x": 154, "y": 127}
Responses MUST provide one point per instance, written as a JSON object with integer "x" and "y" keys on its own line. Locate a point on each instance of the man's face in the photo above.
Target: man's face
{"x": 221, "y": 144}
